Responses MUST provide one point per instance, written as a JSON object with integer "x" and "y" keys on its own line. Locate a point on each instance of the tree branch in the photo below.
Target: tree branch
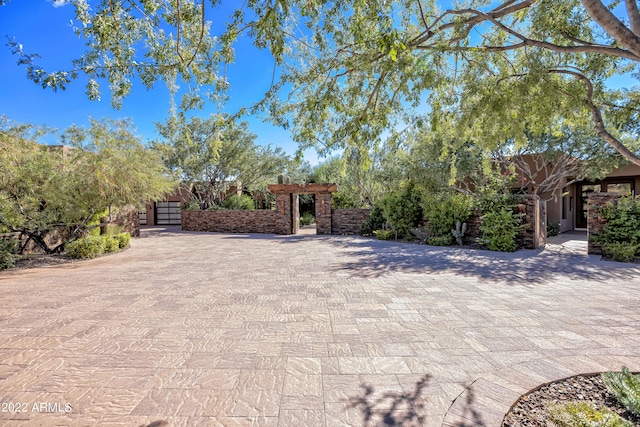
{"x": 612, "y": 25}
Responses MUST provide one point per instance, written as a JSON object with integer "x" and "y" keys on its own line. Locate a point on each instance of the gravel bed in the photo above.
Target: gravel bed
{"x": 531, "y": 408}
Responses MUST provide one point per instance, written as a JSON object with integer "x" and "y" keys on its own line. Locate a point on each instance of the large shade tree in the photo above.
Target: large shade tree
{"x": 54, "y": 194}
{"x": 210, "y": 155}
{"x": 353, "y": 69}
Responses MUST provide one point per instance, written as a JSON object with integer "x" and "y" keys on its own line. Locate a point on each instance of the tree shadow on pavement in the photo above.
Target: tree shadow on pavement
{"x": 372, "y": 258}
{"x": 403, "y": 409}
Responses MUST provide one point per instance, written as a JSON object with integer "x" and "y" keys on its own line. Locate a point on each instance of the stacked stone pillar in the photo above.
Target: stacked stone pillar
{"x": 595, "y": 223}
{"x": 287, "y": 205}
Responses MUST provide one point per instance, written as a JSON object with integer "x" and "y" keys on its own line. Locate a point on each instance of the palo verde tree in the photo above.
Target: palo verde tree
{"x": 209, "y": 155}
{"x": 353, "y": 69}
{"x": 53, "y": 194}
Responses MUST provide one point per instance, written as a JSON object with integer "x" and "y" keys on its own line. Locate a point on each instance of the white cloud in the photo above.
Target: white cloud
{"x": 58, "y": 3}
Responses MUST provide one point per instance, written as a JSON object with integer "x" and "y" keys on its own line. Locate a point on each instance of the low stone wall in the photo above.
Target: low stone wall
{"x": 348, "y": 221}
{"x": 595, "y": 223}
{"x": 129, "y": 219}
{"x": 231, "y": 221}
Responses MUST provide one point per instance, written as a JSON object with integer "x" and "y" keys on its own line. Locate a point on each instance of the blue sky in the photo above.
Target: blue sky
{"x": 43, "y": 28}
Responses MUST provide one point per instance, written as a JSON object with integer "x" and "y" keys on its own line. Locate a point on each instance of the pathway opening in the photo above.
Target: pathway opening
{"x": 288, "y": 205}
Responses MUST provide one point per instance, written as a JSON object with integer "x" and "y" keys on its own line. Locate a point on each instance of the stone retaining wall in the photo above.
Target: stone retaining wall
{"x": 595, "y": 223}
{"x": 232, "y": 221}
{"x": 348, "y": 221}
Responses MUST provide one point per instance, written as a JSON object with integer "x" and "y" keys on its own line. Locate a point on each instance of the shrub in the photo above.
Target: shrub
{"x": 307, "y": 219}
{"x": 241, "y": 202}
{"x": 441, "y": 240}
{"x": 625, "y": 387}
{"x": 7, "y": 253}
{"x": 621, "y": 232}
{"x": 86, "y": 247}
{"x": 422, "y": 234}
{"x": 622, "y": 252}
{"x": 582, "y": 414}
{"x": 190, "y": 205}
{"x": 110, "y": 244}
{"x": 402, "y": 209}
{"x": 553, "y": 229}
{"x": 443, "y": 211}
{"x": 376, "y": 221}
{"x": 124, "y": 239}
{"x": 499, "y": 230}
{"x": 384, "y": 234}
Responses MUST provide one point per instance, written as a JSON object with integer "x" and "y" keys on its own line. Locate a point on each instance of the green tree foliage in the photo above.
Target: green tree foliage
{"x": 353, "y": 70}
{"x": 499, "y": 230}
{"x": 443, "y": 210}
{"x": 210, "y": 155}
{"x": 47, "y": 190}
{"x": 402, "y": 209}
{"x": 621, "y": 232}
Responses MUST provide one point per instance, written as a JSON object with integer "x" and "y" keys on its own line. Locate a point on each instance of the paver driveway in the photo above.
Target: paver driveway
{"x": 210, "y": 329}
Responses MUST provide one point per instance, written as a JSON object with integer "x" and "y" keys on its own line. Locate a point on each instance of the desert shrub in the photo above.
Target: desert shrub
{"x": 190, "y": 205}
{"x": 384, "y": 234}
{"x": 443, "y": 211}
{"x": 621, "y": 231}
{"x": 422, "y": 234}
{"x": 553, "y": 229}
{"x": 402, "y": 209}
{"x": 499, "y": 230}
{"x": 622, "y": 252}
{"x": 376, "y": 221}
{"x": 307, "y": 219}
{"x": 124, "y": 239}
{"x": 441, "y": 240}
{"x": 7, "y": 253}
{"x": 239, "y": 202}
{"x": 582, "y": 414}
{"x": 111, "y": 244}
{"x": 625, "y": 386}
{"x": 86, "y": 247}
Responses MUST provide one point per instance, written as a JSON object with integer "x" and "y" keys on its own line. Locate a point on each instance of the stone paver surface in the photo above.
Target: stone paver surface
{"x": 197, "y": 329}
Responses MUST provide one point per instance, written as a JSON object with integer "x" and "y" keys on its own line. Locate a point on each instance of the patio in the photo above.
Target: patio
{"x": 200, "y": 329}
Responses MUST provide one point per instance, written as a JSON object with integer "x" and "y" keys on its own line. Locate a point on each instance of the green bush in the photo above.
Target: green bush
{"x": 402, "y": 209}
{"x": 499, "y": 230}
{"x": 307, "y": 219}
{"x": 86, "y": 247}
{"x": 376, "y": 221}
{"x": 582, "y": 414}
{"x": 442, "y": 211}
{"x": 622, "y": 252}
{"x": 625, "y": 387}
{"x": 7, "y": 253}
{"x": 441, "y": 240}
{"x": 422, "y": 234}
{"x": 124, "y": 239}
{"x": 384, "y": 234}
{"x": 111, "y": 244}
{"x": 553, "y": 229}
{"x": 241, "y": 202}
{"x": 620, "y": 235}
{"x": 190, "y": 205}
